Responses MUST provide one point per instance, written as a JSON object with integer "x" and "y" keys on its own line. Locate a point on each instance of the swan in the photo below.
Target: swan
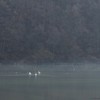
{"x": 39, "y": 72}
{"x": 35, "y": 74}
{"x": 29, "y": 73}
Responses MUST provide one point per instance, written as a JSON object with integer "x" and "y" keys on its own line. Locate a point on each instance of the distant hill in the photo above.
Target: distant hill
{"x": 49, "y": 30}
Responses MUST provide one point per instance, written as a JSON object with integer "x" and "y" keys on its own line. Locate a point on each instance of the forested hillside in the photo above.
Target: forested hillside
{"x": 49, "y": 30}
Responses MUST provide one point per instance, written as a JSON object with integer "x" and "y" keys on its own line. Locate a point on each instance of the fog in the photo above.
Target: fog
{"x": 12, "y": 69}
{"x": 58, "y": 81}
{"x": 49, "y": 49}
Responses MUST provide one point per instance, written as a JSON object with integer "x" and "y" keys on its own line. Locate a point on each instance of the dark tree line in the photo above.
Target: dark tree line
{"x": 49, "y": 30}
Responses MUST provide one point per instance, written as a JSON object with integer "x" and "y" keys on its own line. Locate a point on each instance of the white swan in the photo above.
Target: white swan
{"x": 39, "y": 72}
{"x": 35, "y": 74}
{"x": 29, "y": 73}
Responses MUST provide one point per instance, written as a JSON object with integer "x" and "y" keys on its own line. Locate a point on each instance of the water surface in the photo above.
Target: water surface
{"x": 52, "y": 84}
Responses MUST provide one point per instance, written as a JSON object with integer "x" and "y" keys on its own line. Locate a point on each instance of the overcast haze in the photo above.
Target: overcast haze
{"x": 49, "y": 49}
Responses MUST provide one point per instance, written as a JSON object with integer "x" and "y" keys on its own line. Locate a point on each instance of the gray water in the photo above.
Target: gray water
{"x": 54, "y": 83}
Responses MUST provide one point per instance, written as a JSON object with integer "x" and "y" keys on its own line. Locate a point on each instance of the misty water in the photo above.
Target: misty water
{"x": 56, "y": 82}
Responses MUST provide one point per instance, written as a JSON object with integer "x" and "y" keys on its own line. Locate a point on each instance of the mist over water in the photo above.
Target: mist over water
{"x": 35, "y": 36}
{"x": 73, "y": 81}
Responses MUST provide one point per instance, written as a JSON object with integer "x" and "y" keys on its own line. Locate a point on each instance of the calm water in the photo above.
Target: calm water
{"x": 51, "y": 85}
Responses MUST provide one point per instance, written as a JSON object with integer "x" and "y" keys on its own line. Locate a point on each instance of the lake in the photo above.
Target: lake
{"x": 54, "y": 83}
